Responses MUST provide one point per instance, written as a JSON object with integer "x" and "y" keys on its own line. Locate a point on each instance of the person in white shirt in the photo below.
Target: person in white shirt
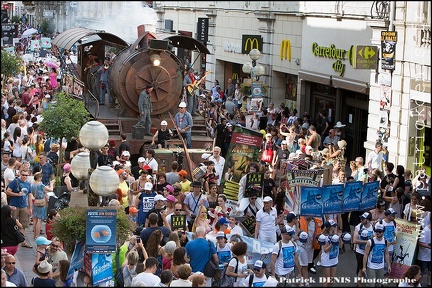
{"x": 265, "y": 228}
{"x": 258, "y": 277}
{"x": 9, "y": 173}
{"x": 184, "y": 271}
{"x": 285, "y": 257}
{"x": 389, "y": 232}
{"x": 375, "y": 158}
{"x": 234, "y": 227}
{"x": 219, "y": 162}
{"x": 148, "y": 276}
{"x": 424, "y": 252}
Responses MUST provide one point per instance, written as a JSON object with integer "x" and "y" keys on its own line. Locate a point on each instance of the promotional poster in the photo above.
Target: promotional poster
{"x": 311, "y": 201}
{"x": 369, "y": 196}
{"x": 352, "y": 195}
{"x": 101, "y": 230}
{"x": 332, "y": 198}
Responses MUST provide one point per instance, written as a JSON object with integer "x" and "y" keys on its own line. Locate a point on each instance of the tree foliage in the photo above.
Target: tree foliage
{"x": 71, "y": 225}
{"x": 64, "y": 118}
{"x": 10, "y": 64}
{"x": 47, "y": 28}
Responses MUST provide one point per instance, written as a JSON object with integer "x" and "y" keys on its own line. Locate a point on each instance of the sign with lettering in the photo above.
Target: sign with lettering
{"x": 178, "y": 222}
{"x": 203, "y": 26}
{"x": 250, "y": 42}
{"x": 101, "y": 230}
{"x": 249, "y": 224}
{"x": 254, "y": 183}
{"x": 388, "y": 49}
{"x": 363, "y": 57}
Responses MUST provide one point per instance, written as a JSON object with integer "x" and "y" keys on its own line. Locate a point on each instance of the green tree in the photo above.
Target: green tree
{"x": 10, "y": 64}
{"x": 16, "y": 19}
{"x": 64, "y": 119}
{"x": 47, "y": 28}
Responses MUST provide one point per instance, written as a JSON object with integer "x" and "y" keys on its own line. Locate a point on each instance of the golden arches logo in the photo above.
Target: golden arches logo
{"x": 285, "y": 50}
{"x": 252, "y": 41}
{"x": 234, "y": 76}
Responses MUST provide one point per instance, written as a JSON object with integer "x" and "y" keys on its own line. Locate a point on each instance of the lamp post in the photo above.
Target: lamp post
{"x": 93, "y": 135}
{"x": 80, "y": 166}
{"x": 254, "y": 69}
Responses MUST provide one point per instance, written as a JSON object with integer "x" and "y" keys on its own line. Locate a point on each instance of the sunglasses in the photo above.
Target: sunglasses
{"x": 256, "y": 270}
{"x": 10, "y": 263}
{"x": 178, "y": 210}
{"x": 54, "y": 246}
{"x": 253, "y": 198}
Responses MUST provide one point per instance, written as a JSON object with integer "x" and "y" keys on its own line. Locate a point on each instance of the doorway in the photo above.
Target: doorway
{"x": 355, "y": 132}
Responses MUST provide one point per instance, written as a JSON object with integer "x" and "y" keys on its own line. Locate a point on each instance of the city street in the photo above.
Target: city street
{"x": 25, "y": 257}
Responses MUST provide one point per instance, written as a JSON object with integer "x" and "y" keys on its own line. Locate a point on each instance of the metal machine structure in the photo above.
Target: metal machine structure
{"x": 133, "y": 67}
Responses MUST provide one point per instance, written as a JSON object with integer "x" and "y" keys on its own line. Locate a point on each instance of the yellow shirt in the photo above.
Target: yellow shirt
{"x": 185, "y": 186}
{"x": 125, "y": 189}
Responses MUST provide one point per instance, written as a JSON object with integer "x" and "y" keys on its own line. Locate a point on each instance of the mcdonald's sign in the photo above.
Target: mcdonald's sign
{"x": 234, "y": 76}
{"x": 285, "y": 50}
{"x": 250, "y": 42}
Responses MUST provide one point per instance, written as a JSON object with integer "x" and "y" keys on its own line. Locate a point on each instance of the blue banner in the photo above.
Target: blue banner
{"x": 369, "y": 196}
{"x": 311, "y": 201}
{"x": 77, "y": 259}
{"x": 332, "y": 198}
{"x": 101, "y": 230}
{"x": 101, "y": 268}
{"x": 352, "y": 196}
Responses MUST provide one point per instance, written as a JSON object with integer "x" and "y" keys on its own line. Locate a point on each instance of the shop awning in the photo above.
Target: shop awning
{"x": 69, "y": 37}
{"x": 335, "y": 81}
{"x": 315, "y": 77}
{"x": 349, "y": 84}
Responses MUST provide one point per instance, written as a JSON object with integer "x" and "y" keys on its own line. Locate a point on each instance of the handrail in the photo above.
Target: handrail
{"x": 94, "y": 98}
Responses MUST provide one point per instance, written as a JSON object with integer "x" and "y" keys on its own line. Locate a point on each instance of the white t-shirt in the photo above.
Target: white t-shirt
{"x": 256, "y": 282}
{"x": 361, "y": 247}
{"x": 375, "y": 160}
{"x": 9, "y": 176}
{"x": 224, "y": 254}
{"x": 267, "y": 222}
{"x": 240, "y": 268}
{"x": 390, "y": 233}
{"x": 376, "y": 256}
{"x": 219, "y": 166}
{"x": 285, "y": 263}
{"x": 148, "y": 278}
{"x": 236, "y": 230}
{"x": 424, "y": 254}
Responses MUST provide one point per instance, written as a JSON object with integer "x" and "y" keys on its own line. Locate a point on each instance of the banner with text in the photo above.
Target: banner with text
{"x": 405, "y": 247}
{"x": 101, "y": 230}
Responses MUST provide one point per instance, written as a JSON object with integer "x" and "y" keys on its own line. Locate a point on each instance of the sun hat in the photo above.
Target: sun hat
{"x": 44, "y": 267}
{"x": 339, "y": 125}
{"x": 171, "y": 198}
{"x": 169, "y": 188}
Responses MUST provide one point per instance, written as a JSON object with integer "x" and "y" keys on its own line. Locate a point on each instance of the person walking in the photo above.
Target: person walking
{"x": 145, "y": 109}
{"x": 184, "y": 123}
{"x": 40, "y": 204}
{"x": 376, "y": 254}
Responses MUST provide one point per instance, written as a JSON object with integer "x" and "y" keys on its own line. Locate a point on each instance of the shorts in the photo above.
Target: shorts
{"x": 23, "y": 216}
{"x": 303, "y": 256}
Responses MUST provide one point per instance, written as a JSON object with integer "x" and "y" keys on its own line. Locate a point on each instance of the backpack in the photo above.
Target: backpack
{"x": 228, "y": 281}
{"x": 280, "y": 247}
{"x": 373, "y": 244}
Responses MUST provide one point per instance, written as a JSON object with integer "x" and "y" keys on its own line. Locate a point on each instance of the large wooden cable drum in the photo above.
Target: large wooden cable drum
{"x": 132, "y": 70}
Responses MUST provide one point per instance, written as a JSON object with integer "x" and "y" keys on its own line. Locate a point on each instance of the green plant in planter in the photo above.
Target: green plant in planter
{"x": 71, "y": 226}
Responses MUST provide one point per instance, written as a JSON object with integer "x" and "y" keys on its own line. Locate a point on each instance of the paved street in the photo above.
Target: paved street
{"x": 25, "y": 257}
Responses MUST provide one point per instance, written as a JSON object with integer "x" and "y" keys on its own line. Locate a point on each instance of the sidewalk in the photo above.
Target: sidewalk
{"x": 25, "y": 257}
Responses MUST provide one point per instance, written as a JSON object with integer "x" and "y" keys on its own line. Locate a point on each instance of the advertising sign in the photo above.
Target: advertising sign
{"x": 250, "y": 42}
{"x": 369, "y": 196}
{"x": 311, "y": 201}
{"x": 101, "y": 230}
{"x": 388, "y": 49}
{"x": 101, "y": 268}
{"x": 332, "y": 198}
{"x": 404, "y": 250}
{"x": 285, "y": 50}
{"x": 352, "y": 196}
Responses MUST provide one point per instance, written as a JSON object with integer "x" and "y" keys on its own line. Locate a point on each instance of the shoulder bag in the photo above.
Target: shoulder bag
{"x": 39, "y": 202}
{"x": 20, "y": 238}
{"x": 211, "y": 269}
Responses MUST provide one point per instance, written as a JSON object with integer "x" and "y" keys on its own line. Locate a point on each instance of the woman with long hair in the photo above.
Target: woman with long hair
{"x": 212, "y": 196}
{"x": 64, "y": 269}
{"x": 179, "y": 258}
{"x": 17, "y": 142}
{"x": 413, "y": 275}
{"x": 202, "y": 220}
{"x": 153, "y": 248}
{"x": 411, "y": 210}
{"x": 39, "y": 146}
{"x": 9, "y": 241}
{"x": 40, "y": 212}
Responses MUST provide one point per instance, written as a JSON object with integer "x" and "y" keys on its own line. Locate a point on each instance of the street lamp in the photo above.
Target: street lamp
{"x": 104, "y": 180}
{"x": 80, "y": 166}
{"x": 93, "y": 135}
{"x": 254, "y": 69}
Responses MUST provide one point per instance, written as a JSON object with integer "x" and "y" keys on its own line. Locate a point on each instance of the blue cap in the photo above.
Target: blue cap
{"x": 223, "y": 221}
